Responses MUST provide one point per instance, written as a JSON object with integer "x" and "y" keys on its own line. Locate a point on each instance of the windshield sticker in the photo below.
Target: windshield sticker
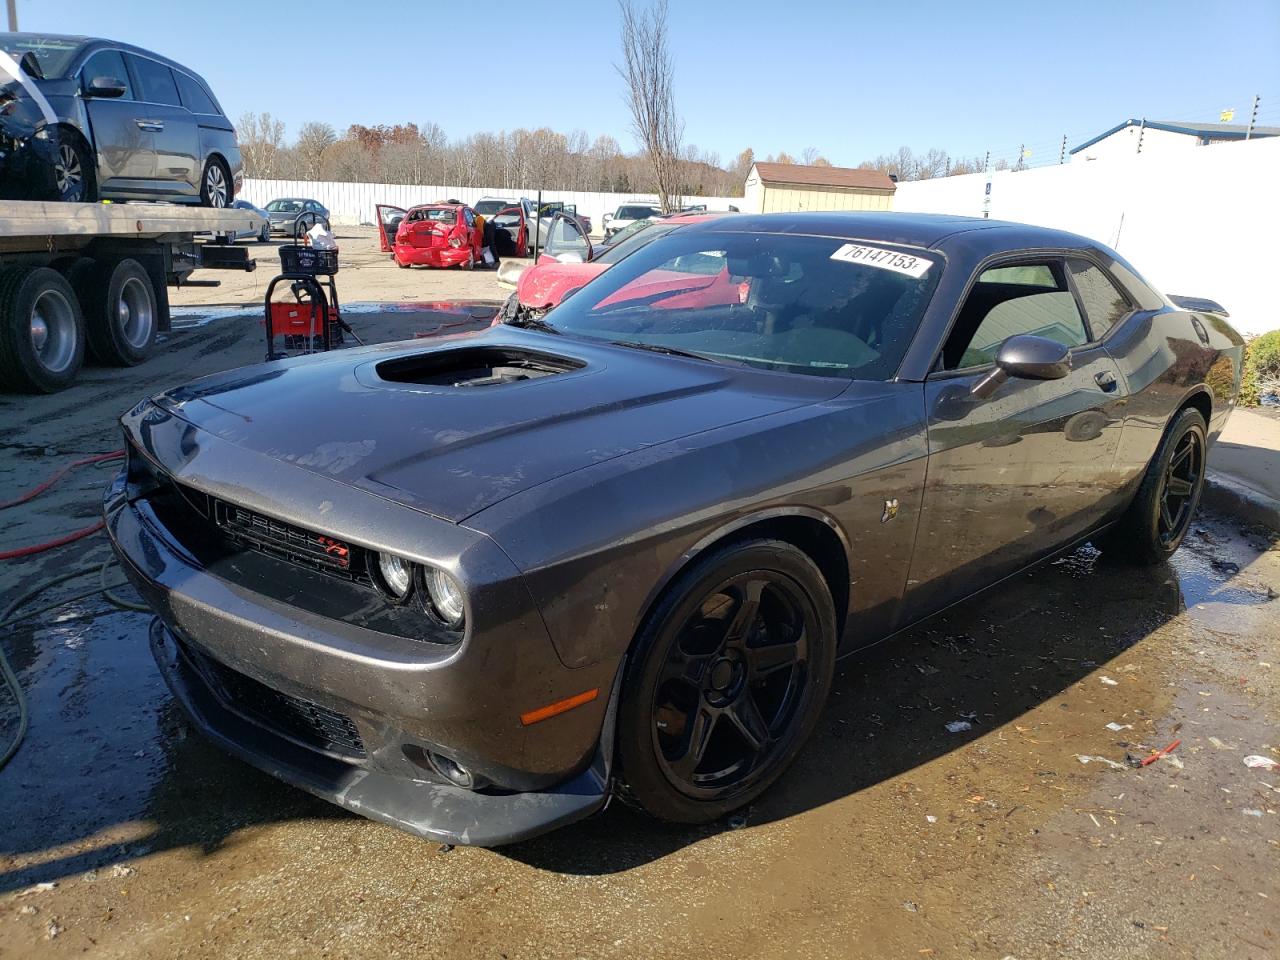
{"x": 903, "y": 263}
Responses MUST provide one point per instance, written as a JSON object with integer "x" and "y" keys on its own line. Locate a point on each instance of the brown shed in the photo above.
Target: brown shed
{"x": 787, "y": 187}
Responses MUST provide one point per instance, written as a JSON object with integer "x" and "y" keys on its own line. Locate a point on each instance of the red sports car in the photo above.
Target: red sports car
{"x": 432, "y": 235}
{"x": 570, "y": 259}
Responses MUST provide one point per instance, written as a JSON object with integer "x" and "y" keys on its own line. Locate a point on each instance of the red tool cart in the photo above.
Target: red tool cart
{"x": 312, "y": 320}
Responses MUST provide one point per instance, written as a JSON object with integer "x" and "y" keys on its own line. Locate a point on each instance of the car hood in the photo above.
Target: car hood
{"x": 452, "y": 451}
{"x": 545, "y": 284}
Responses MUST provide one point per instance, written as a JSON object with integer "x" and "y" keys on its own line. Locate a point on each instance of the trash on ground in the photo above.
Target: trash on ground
{"x": 1117, "y": 727}
{"x": 1261, "y": 763}
{"x": 1250, "y": 812}
{"x": 959, "y": 726}
{"x": 931, "y": 818}
{"x": 1085, "y": 758}
{"x": 38, "y": 888}
{"x": 1109, "y": 682}
{"x": 1153, "y": 757}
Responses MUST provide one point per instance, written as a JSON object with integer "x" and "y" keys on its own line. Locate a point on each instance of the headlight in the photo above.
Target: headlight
{"x": 397, "y": 574}
{"x": 446, "y": 596}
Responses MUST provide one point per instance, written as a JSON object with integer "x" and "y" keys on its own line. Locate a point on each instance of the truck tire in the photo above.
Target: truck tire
{"x": 41, "y": 330}
{"x": 120, "y": 313}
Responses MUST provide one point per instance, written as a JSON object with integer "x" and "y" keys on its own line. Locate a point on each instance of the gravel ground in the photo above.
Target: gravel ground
{"x": 125, "y": 835}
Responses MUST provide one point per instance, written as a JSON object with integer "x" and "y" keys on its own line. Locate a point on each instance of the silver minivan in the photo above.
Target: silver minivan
{"x": 129, "y": 124}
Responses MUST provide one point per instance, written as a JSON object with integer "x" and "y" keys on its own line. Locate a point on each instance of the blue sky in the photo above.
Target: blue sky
{"x": 851, "y": 79}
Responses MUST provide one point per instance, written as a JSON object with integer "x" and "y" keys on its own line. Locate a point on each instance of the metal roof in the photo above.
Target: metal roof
{"x": 1192, "y": 128}
{"x": 816, "y": 176}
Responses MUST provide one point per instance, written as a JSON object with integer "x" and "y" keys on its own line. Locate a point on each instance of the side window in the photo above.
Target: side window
{"x": 1103, "y": 302}
{"x": 155, "y": 82}
{"x": 106, "y": 63}
{"x": 194, "y": 97}
{"x": 470, "y": 216}
{"x": 1008, "y": 301}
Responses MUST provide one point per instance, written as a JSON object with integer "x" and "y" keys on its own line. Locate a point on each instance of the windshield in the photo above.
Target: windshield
{"x": 814, "y": 305}
{"x": 631, "y": 238}
{"x": 52, "y": 55}
{"x": 487, "y": 208}
{"x": 285, "y": 206}
{"x": 635, "y": 213}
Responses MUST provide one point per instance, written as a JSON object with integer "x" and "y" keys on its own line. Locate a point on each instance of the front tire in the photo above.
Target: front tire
{"x": 215, "y": 184}
{"x": 41, "y": 330}
{"x": 1154, "y": 525}
{"x": 725, "y": 682}
{"x": 73, "y": 171}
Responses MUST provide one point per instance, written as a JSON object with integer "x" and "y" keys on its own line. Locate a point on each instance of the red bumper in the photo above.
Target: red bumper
{"x": 445, "y": 256}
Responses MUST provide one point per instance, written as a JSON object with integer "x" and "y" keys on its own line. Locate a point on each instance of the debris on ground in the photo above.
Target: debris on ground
{"x": 1261, "y": 763}
{"x": 38, "y": 888}
{"x": 1250, "y": 812}
{"x": 120, "y": 870}
{"x": 1086, "y": 758}
{"x": 737, "y": 822}
{"x": 1135, "y": 761}
{"x": 53, "y": 929}
{"x": 1109, "y": 682}
{"x": 1117, "y": 727}
{"x": 911, "y": 906}
{"x": 959, "y": 726}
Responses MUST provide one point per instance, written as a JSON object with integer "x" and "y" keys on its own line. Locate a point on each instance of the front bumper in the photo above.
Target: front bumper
{"x": 435, "y": 811}
{"x": 431, "y": 256}
{"x": 325, "y": 701}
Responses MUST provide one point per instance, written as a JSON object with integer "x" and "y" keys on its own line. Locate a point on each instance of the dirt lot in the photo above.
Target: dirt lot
{"x": 125, "y": 835}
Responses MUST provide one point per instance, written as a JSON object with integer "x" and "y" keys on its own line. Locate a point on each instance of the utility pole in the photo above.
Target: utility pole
{"x": 13, "y": 16}
{"x": 1253, "y": 117}
{"x": 1062, "y": 154}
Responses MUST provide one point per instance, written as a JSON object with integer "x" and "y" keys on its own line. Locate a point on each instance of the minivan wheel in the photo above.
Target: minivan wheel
{"x": 73, "y": 172}
{"x": 726, "y": 681}
{"x": 215, "y": 185}
{"x": 1154, "y": 525}
{"x": 41, "y": 330}
{"x": 120, "y": 313}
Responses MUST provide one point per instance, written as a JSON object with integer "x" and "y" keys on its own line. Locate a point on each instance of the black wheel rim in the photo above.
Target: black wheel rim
{"x": 730, "y": 690}
{"x": 1178, "y": 486}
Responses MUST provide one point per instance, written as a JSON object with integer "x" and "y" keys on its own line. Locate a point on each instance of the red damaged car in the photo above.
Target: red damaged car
{"x": 431, "y": 235}
{"x": 570, "y": 260}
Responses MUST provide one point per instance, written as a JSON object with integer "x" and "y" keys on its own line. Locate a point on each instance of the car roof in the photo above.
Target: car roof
{"x": 930, "y": 230}
{"x": 103, "y": 41}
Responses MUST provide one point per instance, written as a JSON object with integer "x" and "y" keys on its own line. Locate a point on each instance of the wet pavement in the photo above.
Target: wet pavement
{"x": 123, "y": 834}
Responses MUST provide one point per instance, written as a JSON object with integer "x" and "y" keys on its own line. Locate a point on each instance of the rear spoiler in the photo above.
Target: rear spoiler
{"x": 1198, "y": 305}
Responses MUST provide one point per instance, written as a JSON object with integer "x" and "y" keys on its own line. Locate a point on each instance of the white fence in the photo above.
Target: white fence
{"x": 353, "y": 203}
{"x": 1200, "y": 223}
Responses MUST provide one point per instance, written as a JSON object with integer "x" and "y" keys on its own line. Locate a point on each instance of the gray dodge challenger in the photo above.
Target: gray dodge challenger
{"x": 474, "y": 587}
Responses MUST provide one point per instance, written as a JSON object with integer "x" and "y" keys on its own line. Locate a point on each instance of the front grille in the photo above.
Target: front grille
{"x": 286, "y": 540}
{"x": 304, "y": 721}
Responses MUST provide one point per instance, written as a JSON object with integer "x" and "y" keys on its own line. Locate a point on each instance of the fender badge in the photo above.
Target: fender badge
{"x": 890, "y": 510}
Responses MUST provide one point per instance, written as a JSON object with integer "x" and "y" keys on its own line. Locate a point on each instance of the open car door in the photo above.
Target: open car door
{"x": 567, "y": 242}
{"x": 388, "y": 219}
{"x": 511, "y": 231}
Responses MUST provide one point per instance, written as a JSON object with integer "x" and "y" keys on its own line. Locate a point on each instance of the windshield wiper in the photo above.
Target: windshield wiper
{"x": 532, "y": 323}
{"x": 669, "y": 351}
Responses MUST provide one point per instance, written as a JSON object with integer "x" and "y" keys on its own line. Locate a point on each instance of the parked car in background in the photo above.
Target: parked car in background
{"x": 618, "y": 549}
{"x": 627, "y": 214}
{"x": 282, "y": 214}
{"x": 124, "y": 123}
{"x": 571, "y": 259}
{"x": 264, "y": 236}
{"x": 435, "y": 235}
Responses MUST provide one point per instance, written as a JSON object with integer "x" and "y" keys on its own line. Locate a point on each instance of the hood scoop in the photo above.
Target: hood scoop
{"x": 474, "y": 367}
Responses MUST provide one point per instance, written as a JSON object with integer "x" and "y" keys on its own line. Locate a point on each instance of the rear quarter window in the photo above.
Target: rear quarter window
{"x": 194, "y": 96}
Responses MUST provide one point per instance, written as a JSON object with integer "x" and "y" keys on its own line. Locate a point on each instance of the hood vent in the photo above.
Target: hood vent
{"x": 475, "y": 367}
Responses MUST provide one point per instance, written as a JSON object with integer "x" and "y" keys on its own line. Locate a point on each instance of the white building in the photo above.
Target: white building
{"x": 1163, "y": 137}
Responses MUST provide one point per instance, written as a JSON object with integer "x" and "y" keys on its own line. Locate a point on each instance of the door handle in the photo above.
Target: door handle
{"x": 155, "y": 126}
{"x": 1106, "y": 380}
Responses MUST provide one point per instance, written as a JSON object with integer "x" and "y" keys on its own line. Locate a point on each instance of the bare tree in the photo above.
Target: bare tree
{"x": 313, "y": 138}
{"x": 261, "y": 137}
{"x": 648, "y": 70}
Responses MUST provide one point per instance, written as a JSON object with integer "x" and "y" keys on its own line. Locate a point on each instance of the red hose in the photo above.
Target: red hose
{"x": 58, "y": 475}
{"x": 50, "y": 544}
{"x": 41, "y": 488}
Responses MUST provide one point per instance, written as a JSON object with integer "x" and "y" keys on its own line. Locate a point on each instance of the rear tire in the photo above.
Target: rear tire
{"x": 1157, "y": 520}
{"x": 215, "y": 184}
{"x": 120, "y": 313}
{"x": 41, "y": 330}
{"x": 737, "y": 658}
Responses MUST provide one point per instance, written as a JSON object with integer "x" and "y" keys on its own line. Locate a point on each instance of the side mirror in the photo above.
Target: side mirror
{"x": 105, "y": 87}
{"x": 1026, "y": 357}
